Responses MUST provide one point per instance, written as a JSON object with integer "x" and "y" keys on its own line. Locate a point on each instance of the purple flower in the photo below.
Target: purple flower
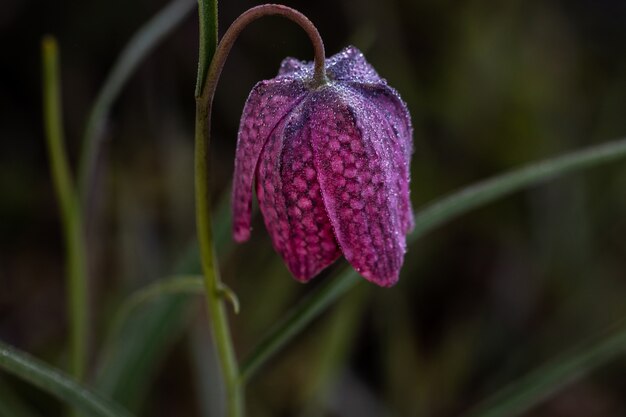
{"x": 331, "y": 166}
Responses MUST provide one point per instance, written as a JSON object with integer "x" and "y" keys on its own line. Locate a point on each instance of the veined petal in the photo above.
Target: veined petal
{"x": 350, "y": 65}
{"x": 394, "y": 110}
{"x": 392, "y": 117}
{"x": 356, "y": 174}
{"x": 267, "y": 105}
{"x": 291, "y": 202}
{"x": 333, "y": 171}
{"x": 292, "y": 66}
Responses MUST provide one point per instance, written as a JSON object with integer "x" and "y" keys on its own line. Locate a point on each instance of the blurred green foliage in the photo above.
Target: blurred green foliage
{"x": 490, "y": 85}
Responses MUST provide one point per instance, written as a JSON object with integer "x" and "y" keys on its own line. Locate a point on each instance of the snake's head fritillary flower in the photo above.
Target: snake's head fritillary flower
{"x": 331, "y": 168}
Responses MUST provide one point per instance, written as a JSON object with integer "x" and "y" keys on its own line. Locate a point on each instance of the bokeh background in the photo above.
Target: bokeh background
{"x": 490, "y": 85}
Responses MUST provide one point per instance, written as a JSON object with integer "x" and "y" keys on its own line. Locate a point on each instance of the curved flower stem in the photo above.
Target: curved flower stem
{"x": 69, "y": 205}
{"x": 226, "y": 43}
{"x": 204, "y": 101}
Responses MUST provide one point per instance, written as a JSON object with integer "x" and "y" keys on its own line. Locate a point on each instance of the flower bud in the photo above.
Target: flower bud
{"x": 331, "y": 167}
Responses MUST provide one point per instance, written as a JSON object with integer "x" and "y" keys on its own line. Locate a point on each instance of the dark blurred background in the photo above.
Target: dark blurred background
{"x": 490, "y": 85}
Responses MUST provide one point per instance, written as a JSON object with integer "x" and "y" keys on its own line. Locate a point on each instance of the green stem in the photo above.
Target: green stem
{"x": 216, "y": 310}
{"x": 56, "y": 383}
{"x": 435, "y": 214}
{"x": 230, "y": 36}
{"x": 70, "y": 202}
{"x": 204, "y": 102}
{"x": 207, "y": 16}
{"x": 69, "y": 206}
{"x": 140, "y": 45}
{"x": 212, "y": 282}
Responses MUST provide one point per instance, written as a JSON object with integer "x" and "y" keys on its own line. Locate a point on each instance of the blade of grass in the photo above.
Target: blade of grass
{"x": 338, "y": 338}
{"x": 133, "y": 353}
{"x": 435, "y": 214}
{"x": 447, "y": 208}
{"x": 129, "y": 366}
{"x": 56, "y": 383}
{"x": 126, "y": 368}
{"x": 168, "y": 286}
{"x": 140, "y": 45}
{"x": 296, "y": 320}
{"x": 125, "y": 319}
{"x": 524, "y": 393}
{"x": 69, "y": 207}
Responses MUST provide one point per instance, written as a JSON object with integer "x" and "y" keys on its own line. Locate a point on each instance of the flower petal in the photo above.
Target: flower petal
{"x": 358, "y": 181}
{"x": 291, "y": 202}
{"x": 389, "y": 103}
{"x": 267, "y": 104}
{"x": 291, "y": 66}
{"x": 393, "y": 115}
{"x": 350, "y": 65}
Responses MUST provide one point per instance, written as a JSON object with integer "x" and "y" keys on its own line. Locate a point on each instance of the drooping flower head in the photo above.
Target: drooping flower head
{"x": 331, "y": 168}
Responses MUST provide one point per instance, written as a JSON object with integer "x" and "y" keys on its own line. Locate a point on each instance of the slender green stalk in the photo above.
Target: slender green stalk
{"x": 435, "y": 214}
{"x": 132, "y": 353}
{"x": 215, "y": 290}
{"x": 524, "y": 393}
{"x": 207, "y": 16}
{"x": 212, "y": 282}
{"x": 140, "y": 45}
{"x": 56, "y": 383}
{"x": 207, "y": 91}
{"x": 69, "y": 200}
{"x": 216, "y": 309}
{"x": 69, "y": 205}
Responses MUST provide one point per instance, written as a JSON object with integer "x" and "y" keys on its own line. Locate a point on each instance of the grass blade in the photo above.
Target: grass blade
{"x": 56, "y": 383}
{"x": 139, "y": 46}
{"x": 170, "y": 286}
{"x": 447, "y": 208}
{"x": 296, "y": 320}
{"x": 527, "y": 391}
{"x": 126, "y": 368}
{"x": 435, "y": 214}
